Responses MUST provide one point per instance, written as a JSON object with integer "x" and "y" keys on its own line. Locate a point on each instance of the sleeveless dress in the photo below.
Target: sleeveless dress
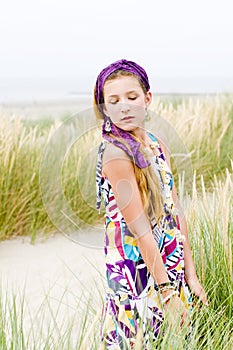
{"x": 132, "y": 300}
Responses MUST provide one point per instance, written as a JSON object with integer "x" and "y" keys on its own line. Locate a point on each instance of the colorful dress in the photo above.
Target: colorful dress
{"x": 131, "y": 296}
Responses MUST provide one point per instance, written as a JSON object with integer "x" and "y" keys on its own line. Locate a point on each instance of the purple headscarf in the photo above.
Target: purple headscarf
{"x": 132, "y": 67}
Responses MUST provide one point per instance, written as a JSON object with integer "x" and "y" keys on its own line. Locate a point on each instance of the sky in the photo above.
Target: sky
{"x": 73, "y": 38}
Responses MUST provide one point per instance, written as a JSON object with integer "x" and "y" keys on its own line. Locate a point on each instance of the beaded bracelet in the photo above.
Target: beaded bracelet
{"x": 163, "y": 301}
{"x": 162, "y": 286}
{"x": 166, "y": 288}
{"x": 165, "y": 284}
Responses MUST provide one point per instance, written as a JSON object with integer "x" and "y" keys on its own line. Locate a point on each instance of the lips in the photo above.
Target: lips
{"x": 127, "y": 118}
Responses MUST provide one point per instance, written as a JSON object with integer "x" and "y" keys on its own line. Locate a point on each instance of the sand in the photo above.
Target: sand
{"x": 54, "y": 276}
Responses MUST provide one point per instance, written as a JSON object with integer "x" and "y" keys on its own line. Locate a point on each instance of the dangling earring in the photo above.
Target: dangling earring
{"x": 107, "y": 126}
{"x": 147, "y": 116}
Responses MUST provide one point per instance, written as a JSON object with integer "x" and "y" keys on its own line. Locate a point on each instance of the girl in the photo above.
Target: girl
{"x": 149, "y": 266}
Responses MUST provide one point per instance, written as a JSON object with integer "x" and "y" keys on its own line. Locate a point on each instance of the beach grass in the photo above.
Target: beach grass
{"x": 210, "y": 225}
{"x": 205, "y": 127}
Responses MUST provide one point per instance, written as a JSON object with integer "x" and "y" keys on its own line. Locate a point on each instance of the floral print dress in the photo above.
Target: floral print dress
{"x": 132, "y": 300}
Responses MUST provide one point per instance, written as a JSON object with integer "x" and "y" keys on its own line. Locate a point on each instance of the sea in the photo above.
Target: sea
{"x": 16, "y": 90}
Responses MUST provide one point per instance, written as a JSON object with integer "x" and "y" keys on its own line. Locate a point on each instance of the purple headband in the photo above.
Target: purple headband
{"x": 132, "y": 67}
{"x": 125, "y": 65}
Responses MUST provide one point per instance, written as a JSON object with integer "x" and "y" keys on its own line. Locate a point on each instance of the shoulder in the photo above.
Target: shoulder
{"x": 115, "y": 160}
{"x": 112, "y": 152}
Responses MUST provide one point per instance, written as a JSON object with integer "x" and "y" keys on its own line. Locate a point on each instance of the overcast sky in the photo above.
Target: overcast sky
{"x": 52, "y": 38}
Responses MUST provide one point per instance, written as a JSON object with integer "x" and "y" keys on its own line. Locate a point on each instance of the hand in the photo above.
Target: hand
{"x": 174, "y": 308}
{"x": 197, "y": 289}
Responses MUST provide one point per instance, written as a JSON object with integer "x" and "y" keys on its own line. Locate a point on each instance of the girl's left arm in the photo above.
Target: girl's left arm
{"x": 189, "y": 266}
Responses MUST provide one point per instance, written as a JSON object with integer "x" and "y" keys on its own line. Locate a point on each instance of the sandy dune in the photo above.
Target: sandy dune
{"x": 55, "y": 276}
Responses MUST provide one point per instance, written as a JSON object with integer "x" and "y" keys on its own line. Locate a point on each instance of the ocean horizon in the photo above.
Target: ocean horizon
{"x": 38, "y": 89}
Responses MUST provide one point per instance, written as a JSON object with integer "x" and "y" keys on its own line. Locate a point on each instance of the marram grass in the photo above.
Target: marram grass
{"x": 205, "y": 126}
{"x": 211, "y": 242}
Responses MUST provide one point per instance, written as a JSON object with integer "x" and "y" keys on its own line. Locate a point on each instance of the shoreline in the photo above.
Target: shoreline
{"x": 61, "y": 107}
{"x": 72, "y": 99}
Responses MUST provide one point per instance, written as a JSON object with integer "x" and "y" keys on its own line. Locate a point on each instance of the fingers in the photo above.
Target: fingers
{"x": 177, "y": 314}
{"x": 200, "y": 293}
{"x": 185, "y": 319}
{"x": 203, "y": 298}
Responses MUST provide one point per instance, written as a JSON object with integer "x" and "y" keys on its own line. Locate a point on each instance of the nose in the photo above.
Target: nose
{"x": 125, "y": 107}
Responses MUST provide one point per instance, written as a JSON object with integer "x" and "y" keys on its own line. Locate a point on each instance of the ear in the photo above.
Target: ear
{"x": 148, "y": 99}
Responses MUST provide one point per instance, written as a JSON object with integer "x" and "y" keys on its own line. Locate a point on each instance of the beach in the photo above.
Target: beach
{"x": 54, "y": 277}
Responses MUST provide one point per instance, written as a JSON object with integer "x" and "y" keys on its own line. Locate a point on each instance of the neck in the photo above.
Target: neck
{"x": 141, "y": 134}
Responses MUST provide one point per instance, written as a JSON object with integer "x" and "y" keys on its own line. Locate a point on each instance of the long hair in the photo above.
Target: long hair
{"x": 147, "y": 181}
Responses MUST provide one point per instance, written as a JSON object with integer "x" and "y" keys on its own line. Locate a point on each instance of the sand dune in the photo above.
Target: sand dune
{"x": 55, "y": 276}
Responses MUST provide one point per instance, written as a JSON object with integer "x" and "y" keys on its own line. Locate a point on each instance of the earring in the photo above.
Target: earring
{"x": 147, "y": 115}
{"x": 107, "y": 126}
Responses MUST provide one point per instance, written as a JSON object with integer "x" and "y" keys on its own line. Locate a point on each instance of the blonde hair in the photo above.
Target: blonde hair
{"x": 147, "y": 181}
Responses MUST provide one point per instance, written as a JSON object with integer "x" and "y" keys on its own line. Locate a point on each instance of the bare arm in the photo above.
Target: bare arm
{"x": 119, "y": 170}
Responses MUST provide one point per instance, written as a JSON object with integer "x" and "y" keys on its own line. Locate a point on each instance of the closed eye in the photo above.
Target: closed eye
{"x": 113, "y": 102}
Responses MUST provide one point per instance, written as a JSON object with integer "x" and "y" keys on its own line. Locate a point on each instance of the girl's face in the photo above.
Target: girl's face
{"x": 125, "y": 102}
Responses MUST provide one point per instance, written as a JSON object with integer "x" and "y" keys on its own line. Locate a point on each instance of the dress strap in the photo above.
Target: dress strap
{"x": 153, "y": 138}
{"x": 156, "y": 141}
{"x": 99, "y": 173}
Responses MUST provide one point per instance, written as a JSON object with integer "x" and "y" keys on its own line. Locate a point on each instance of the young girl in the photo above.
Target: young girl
{"x": 149, "y": 266}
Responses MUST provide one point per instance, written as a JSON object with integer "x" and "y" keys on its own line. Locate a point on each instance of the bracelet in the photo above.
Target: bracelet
{"x": 164, "y": 285}
{"x": 163, "y": 301}
{"x": 166, "y": 288}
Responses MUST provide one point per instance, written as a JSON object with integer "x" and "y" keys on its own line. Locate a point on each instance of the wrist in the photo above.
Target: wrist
{"x": 162, "y": 280}
{"x": 190, "y": 277}
{"x": 164, "y": 294}
{"x": 166, "y": 289}
{"x": 190, "y": 274}
{"x": 168, "y": 297}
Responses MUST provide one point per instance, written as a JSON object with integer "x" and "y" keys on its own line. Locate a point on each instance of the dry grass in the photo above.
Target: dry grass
{"x": 205, "y": 127}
